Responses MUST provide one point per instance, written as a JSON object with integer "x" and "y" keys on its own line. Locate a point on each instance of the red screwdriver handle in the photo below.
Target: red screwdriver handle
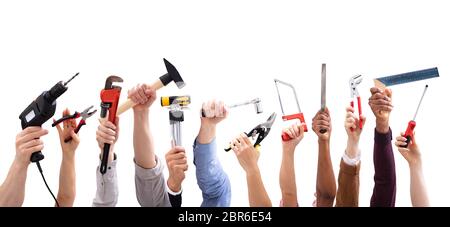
{"x": 409, "y": 133}
{"x": 299, "y": 116}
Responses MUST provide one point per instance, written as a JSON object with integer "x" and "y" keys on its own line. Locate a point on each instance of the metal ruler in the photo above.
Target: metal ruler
{"x": 323, "y": 93}
{"x": 406, "y": 77}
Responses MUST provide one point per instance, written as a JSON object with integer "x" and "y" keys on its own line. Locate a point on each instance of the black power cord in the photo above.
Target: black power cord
{"x": 45, "y": 182}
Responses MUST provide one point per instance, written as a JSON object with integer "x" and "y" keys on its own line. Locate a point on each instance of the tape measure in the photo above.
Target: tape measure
{"x": 407, "y": 77}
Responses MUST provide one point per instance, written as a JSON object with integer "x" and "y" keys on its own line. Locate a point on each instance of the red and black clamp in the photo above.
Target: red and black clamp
{"x": 84, "y": 115}
{"x": 110, "y": 101}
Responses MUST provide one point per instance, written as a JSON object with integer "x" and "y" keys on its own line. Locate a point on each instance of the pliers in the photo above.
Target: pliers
{"x": 261, "y": 131}
{"x": 84, "y": 115}
{"x": 354, "y": 82}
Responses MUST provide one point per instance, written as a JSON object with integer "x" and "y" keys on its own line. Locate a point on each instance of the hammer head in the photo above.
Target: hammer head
{"x": 172, "y": 75}
{"x": 109, "y": 84}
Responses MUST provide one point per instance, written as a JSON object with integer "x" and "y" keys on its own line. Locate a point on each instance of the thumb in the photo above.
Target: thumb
{"x": 388, "y": 92}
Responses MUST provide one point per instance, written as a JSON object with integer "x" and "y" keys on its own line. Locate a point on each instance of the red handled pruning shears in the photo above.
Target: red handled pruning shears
{"x": 261, "y": 130}
{"x": 354, "y": 82}
{"x": 84, "y": 115}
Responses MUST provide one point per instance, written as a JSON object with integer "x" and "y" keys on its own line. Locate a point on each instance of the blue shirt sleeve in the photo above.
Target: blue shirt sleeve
{"x": 211, "y": 178}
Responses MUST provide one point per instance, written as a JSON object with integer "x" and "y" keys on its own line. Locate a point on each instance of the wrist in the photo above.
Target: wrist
{"x": 173, "y": 184}
{"x": 20, "y": 165}
{"x": 288, "y": 151}
{"x": 382, "y": 126}
{"x": 252, "y": 170}
{"x": 207, "y": 133}
{"x": 141, "y": 112}
{"x": 68, "y": 156}
{"x": 415, "y": 165}
{"x": 324, "y": 141}
{"x": 352, "y": 149}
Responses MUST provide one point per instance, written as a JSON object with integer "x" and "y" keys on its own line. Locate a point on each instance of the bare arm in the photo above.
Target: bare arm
{"x": 287, "y": 171}
{"x": 12, "y": 191}
{"x": 248, "y": 158}
{"x": 257, "y": 193}
{"x": 67, "y": 176}
{"x": 418, "y": 190}
{"x": 326, "y": 182}
{"x": 144, "y": 153}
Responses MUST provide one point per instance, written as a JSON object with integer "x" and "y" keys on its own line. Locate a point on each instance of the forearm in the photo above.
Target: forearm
{"x": 143, "y": 141}
{"x": 419, "y": 196}
{"x": 67, "y": 181}
{"x": 207, "y": 133}
{"x": 325, "y": 184}
{"x": 257, "y": 193}
{"x": 12, "y": 191}
{"x": 287, "y": 180}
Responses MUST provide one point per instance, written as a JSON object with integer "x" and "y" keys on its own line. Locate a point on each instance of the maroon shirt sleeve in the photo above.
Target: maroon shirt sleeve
{"x": 385, "y": 181}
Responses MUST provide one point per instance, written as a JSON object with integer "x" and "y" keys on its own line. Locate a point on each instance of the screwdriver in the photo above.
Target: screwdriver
{"x": 412, "y": 124}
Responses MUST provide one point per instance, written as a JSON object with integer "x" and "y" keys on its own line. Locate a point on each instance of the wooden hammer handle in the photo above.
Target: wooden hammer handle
{"x": 130, "y": 104}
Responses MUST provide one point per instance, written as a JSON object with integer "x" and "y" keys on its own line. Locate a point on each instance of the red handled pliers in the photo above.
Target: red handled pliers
{"x": 354, "y": 82}
{"x": 84, "y": 115}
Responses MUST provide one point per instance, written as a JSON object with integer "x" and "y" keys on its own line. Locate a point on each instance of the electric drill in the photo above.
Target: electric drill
{"x": 42, "y": 109}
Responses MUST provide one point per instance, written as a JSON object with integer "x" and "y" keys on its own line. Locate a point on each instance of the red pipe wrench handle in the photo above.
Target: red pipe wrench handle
{"x": 360, "y": 112}
{"x": 409, "y": 133}
{"x": 352, "y": 104}
{"x": 299, "y": 116}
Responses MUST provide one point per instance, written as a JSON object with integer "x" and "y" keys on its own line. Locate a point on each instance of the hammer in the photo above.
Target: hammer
{"x": 171, "y": 75}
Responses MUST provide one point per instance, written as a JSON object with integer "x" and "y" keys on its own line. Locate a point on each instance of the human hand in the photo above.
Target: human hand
{"x": 296, "y": 133}
{"x": 246, "y": 154}
{"x": 68, "y": 131}
{"x": 143, "y": 95}
{"x": 27, "y": 142}
{"x": 322, "y": 120}
{"x": 107, "y": 132}
{"x": 381, "y": 104}
{"x": 214, "y": 111}
{"x": 176, "y": 161}
{"x": 411, "y": 153}
{"x": 352, "y": 124}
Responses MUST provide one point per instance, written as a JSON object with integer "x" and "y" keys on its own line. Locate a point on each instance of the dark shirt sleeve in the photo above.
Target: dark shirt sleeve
{"x": 175, "y": 200}
{"x": 385, "y": 180}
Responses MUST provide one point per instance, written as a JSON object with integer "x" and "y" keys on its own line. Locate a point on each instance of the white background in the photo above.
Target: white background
{"x": 229, "y": 50}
